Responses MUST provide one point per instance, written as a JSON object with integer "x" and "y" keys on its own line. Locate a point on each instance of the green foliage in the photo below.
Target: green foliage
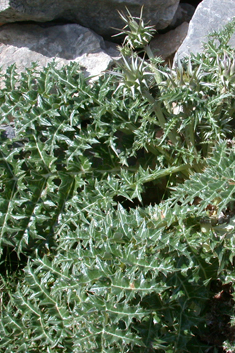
{"x": 193, "y": 103}
{"x": 120, "y": 207}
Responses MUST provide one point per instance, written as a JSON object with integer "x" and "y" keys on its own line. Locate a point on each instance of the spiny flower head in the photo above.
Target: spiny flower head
{"x": 138, "y": 35}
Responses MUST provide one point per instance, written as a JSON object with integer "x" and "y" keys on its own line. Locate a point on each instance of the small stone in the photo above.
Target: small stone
{"x": 8, "y": 131}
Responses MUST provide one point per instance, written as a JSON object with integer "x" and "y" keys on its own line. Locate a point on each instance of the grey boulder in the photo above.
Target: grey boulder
{"x": 23, "y": 44}
{"x": 99, "y": 15}
{"x": 210, "y": 15}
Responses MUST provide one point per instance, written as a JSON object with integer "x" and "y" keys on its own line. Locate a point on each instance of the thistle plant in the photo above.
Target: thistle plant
{"x": 117, "y": 207}
{"x": 177, "y": 97}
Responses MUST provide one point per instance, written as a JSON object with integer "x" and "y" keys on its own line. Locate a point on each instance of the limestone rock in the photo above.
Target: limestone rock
{"x": 23, "y": 44}
{"x": 209, "y": 16}
{"x": 165, "y": 45}
{"x": 99, "y": 15}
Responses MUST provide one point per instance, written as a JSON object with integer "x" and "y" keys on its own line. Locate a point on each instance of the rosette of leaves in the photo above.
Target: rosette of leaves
{"x": 123, "y": 281}
{"x": 64, "y": 143}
